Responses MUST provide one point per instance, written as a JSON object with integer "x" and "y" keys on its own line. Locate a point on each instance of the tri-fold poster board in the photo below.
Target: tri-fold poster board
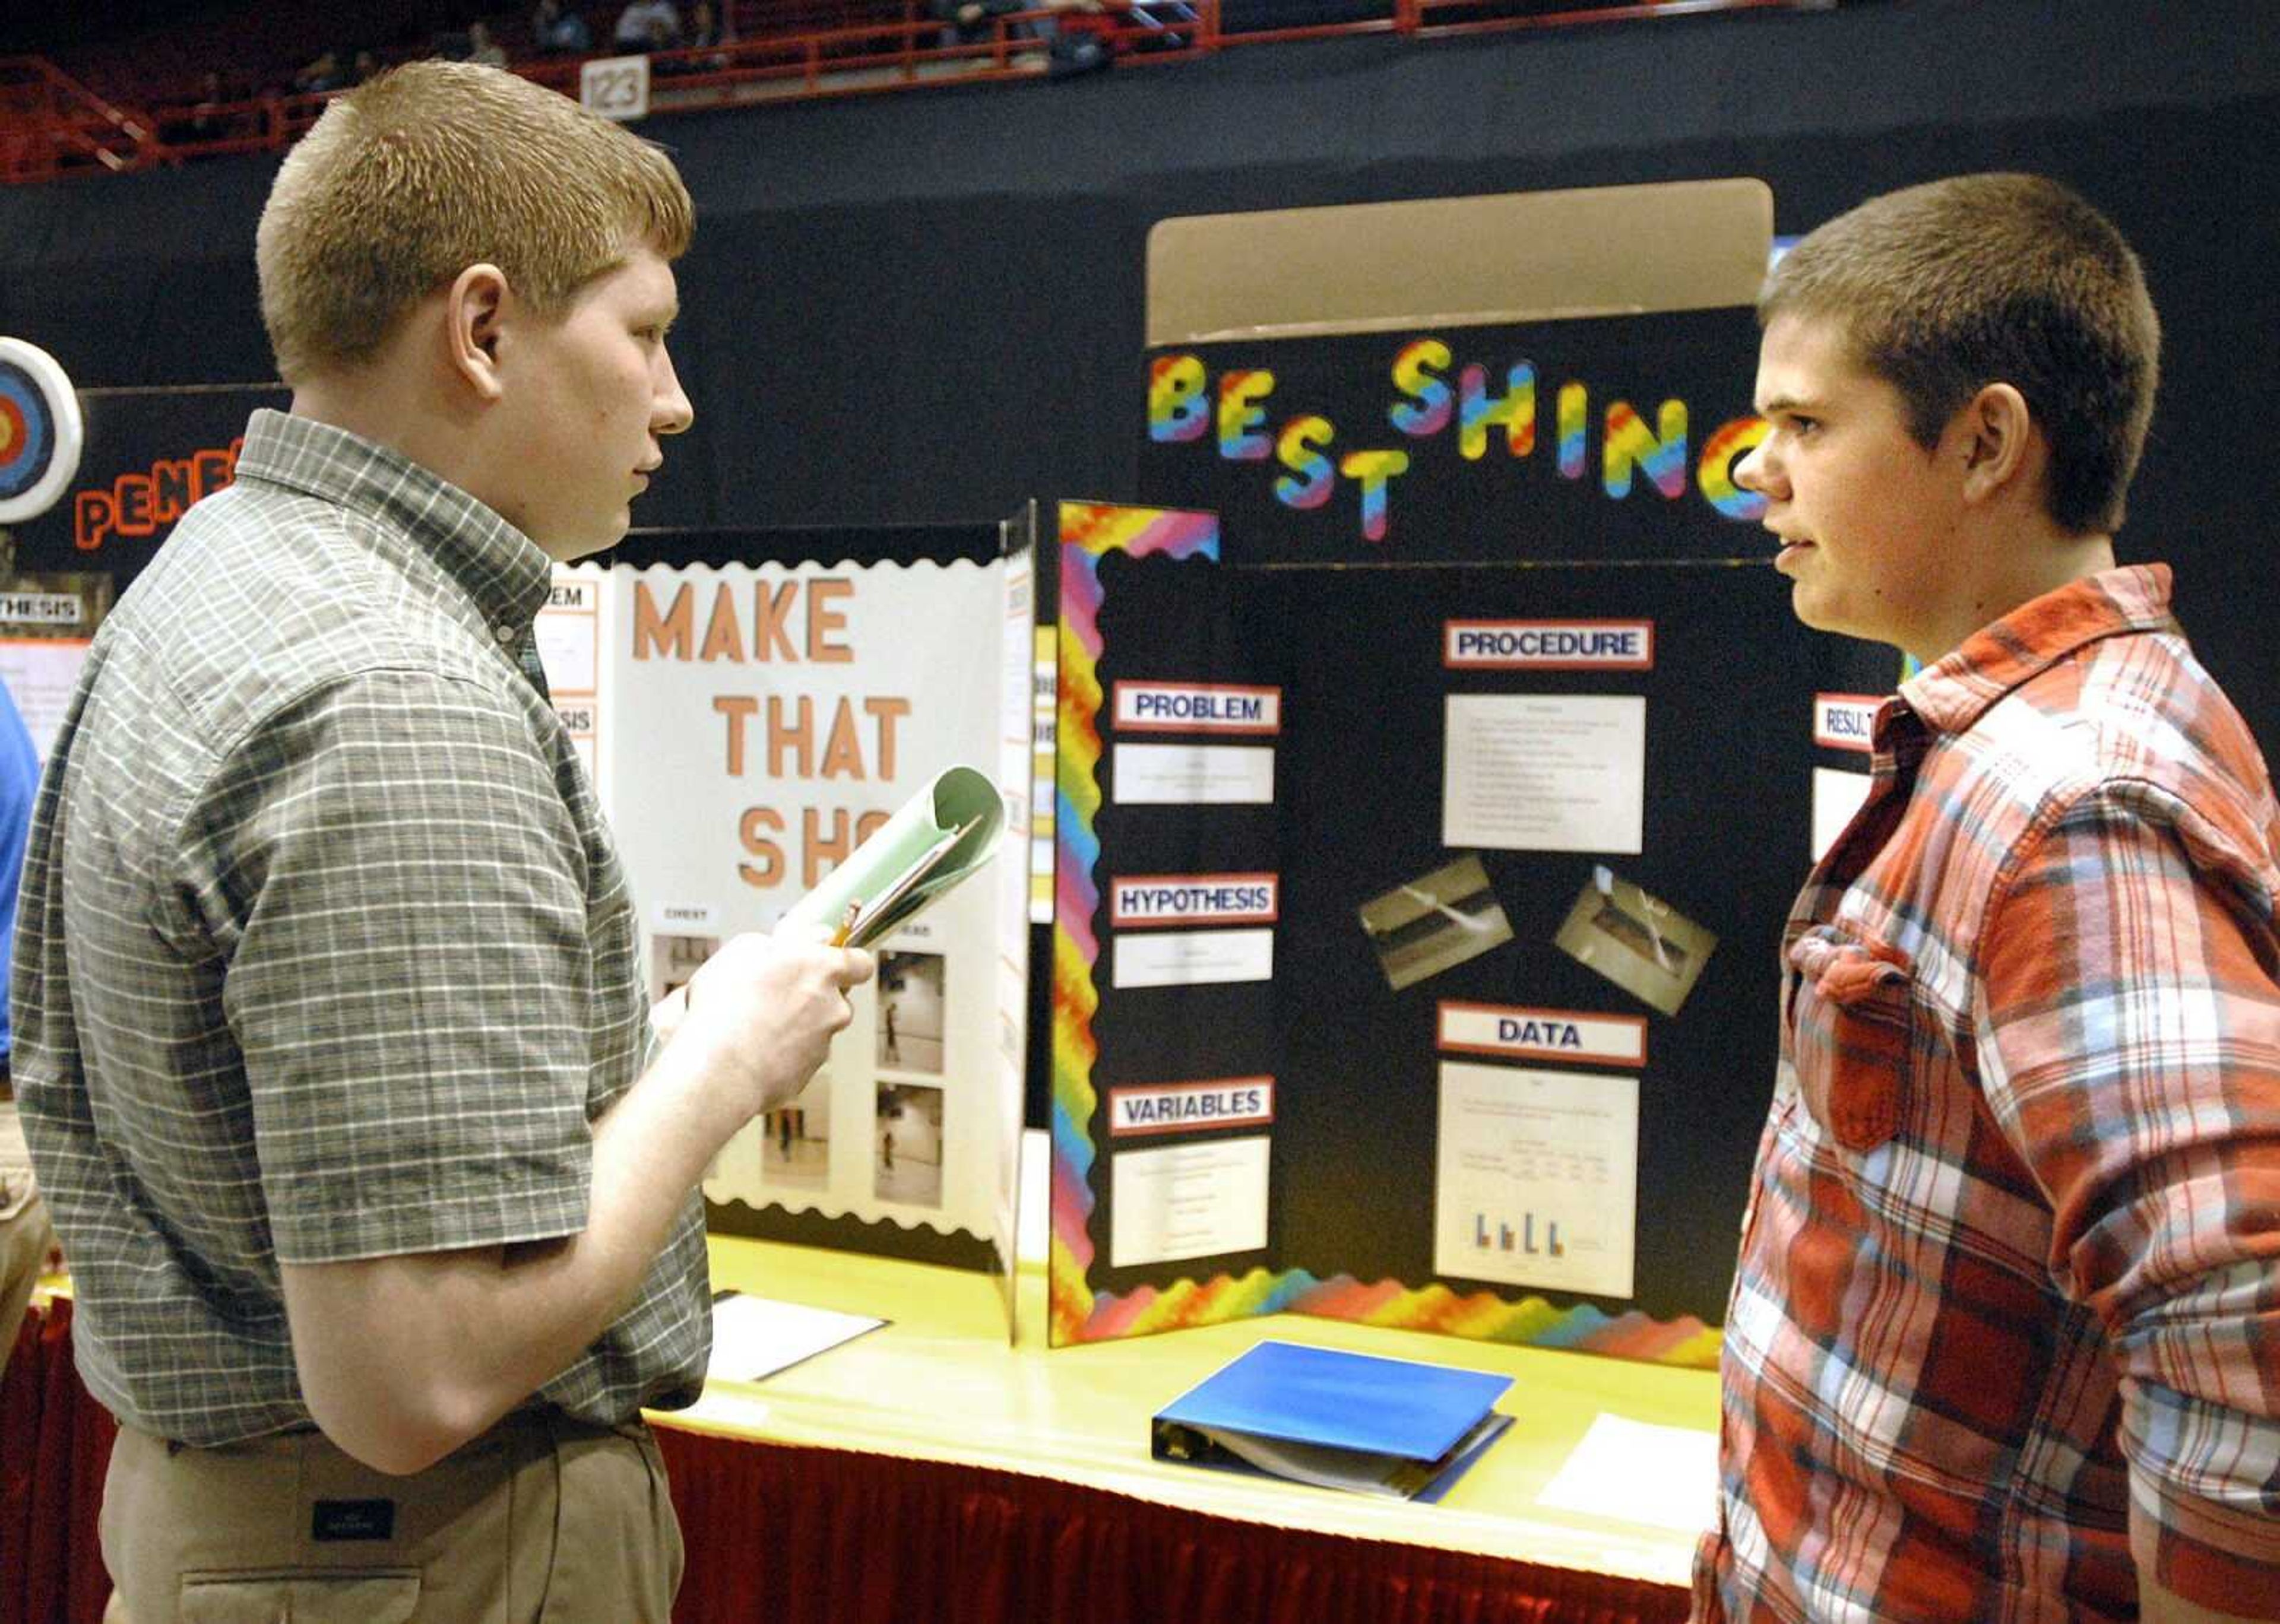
{"x": 1434, "y": 777}
{"x": 748, "y": 724}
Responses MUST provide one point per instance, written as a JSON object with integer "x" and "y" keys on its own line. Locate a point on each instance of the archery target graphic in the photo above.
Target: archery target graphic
{"x": 39, "y": 431}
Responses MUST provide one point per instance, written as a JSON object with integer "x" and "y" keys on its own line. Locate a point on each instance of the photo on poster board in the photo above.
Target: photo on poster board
{"x": 1637, "y": 941}
{"x": 910, "y": 1019}
{"x": 1439, "y": 919}
{"x": 674, "y": 958}
{"x": 796, "y": 1138}
{"x": 908, "y": 1166}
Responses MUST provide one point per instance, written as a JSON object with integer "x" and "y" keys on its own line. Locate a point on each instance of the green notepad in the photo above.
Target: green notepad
{"x": 939, "y": 836}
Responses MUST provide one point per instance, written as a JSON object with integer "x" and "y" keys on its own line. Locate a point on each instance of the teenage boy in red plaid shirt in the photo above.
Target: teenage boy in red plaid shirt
{"x": 2005, "y": 1337}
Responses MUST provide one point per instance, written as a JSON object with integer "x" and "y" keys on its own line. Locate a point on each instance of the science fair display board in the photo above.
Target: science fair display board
{"x": 1434, "y": 782}
{"x": 91, "y": 482}
{"x": 748, "y": 724}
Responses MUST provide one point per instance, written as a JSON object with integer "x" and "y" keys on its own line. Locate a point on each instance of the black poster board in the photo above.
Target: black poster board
{"x": 1357, "y": 656}
{"x": 1427, "y": 536}
{"x": 1609, "y": 438}
{"x": 1361, "y": 759}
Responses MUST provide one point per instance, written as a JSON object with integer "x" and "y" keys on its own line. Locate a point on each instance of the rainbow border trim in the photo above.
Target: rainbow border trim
{"x": 1089, "y": 530}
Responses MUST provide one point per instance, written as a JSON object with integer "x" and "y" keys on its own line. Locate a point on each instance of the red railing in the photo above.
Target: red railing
{"x": 51, "y": 125}
{"x": 49, "y": 121}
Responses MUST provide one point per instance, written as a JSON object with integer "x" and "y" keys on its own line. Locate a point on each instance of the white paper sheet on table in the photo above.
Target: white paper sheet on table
{"x": 1641, "y": 1473}
{"x": 756, "y": 1336}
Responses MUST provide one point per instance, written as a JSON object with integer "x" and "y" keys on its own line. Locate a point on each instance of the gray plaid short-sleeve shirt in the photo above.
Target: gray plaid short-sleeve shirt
{"x": 324, "y": 951}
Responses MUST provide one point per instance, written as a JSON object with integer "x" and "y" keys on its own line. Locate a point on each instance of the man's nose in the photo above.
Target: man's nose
{"x": 673, "y": 414}
{"x": 1753, "y": 471}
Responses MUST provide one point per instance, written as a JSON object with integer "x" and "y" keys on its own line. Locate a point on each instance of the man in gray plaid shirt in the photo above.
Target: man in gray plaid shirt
{"x": 378, "y": 1182}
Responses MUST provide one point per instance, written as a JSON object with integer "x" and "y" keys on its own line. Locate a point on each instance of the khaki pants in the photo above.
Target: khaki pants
{"x": 27, "y": 1241}
{"x": 541, "y": 1521}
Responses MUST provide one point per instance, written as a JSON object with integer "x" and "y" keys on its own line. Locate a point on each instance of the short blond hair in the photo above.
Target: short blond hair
{"x": 408, "y": 180}
{"x": 1948, "y": 287}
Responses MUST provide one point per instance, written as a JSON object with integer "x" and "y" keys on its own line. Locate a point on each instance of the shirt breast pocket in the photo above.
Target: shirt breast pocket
{"x": 1853, "y": 1035}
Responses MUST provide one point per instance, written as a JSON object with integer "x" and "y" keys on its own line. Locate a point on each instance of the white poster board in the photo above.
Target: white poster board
{"x": 747, "y": 727}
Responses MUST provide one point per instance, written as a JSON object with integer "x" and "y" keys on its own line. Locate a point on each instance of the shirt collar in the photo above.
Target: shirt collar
{"x": 495, "y": 565}
{"x": 1954, "y": 693}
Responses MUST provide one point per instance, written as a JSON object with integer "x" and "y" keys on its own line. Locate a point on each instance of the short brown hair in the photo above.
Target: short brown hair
{"x": 1946, "y": 288}
{"x": 409, "y": 178}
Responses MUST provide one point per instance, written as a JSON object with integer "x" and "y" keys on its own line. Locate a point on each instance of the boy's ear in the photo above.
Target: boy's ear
{"x": 1999, "y": 443}
{"x": 473, "y": 310}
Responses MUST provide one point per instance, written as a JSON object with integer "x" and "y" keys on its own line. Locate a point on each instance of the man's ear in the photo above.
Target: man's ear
{"x": 474, "y": 308}
{"x": 2000, "y": 443}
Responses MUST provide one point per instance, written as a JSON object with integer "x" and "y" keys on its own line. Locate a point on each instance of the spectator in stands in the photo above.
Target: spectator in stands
{"x": 482, "y": 47}
{"x": 366, "y": 65}
{"x": 967, "y": 22}
{"x": 555, "y": 29}
{"x": 205, "y": 118}
{"x": 320, "y": 75}
{"x": 648, "y": 25}
{"x": 711, "y": 25}
{"x": 706, "y": 26}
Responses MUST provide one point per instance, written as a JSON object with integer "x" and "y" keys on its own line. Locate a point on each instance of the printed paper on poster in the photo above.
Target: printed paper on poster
{"x": 42, "y": 675}
{"x": 1193, "y": 958}
{"x": 1194, "y": 774}
{"x": 1544, "y": 772}
{"x": 1203, "y": 1200}
{"x": 568, "y": 633}
{"x": 1836, "y": 796}
{"x": 1537, "y": 1179}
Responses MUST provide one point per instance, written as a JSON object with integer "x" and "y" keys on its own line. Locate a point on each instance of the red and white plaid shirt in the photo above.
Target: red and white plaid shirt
{"x": 2008, "y": 1304}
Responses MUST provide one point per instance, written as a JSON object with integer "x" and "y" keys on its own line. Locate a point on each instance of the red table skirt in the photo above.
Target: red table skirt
{"x": 55, "y": 1442}
{"x": 781, "y": 1534}
{"x": 795, "y": 1535}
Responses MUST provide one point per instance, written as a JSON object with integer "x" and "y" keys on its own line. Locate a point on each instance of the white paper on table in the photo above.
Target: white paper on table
{"x": 1639, "y": 1473}
{"x": 756, "y": 1336}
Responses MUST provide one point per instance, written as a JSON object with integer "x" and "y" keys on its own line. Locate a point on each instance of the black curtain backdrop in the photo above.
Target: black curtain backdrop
{"x": 928, "y": 307}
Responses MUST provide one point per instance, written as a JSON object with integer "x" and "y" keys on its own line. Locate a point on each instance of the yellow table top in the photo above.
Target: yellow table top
{"x": 941, "y": 1383}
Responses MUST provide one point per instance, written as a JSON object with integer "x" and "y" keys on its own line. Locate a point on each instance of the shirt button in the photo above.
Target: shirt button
{"x": 504, "y": 631}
